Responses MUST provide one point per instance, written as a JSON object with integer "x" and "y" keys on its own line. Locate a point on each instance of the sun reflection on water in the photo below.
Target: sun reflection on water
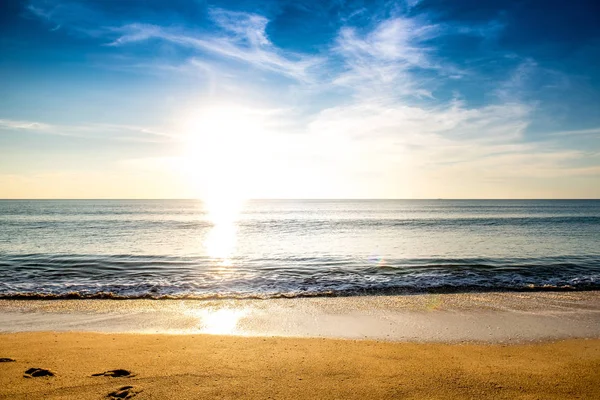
{"x": 220, "y": 148}
{"x": 221, "y": 240}
{"x": 221, "y": 321}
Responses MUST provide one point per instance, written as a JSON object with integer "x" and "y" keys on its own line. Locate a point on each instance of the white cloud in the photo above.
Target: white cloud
{"x": 136, "y": 32}
{"x": 40, "y": 12}
{"x": 578, "y": 132}
{"x": 243, "y": 38}
{"x": 417, "y": 144}
{"x": 26, "y": 125}
{"x": 369, "y": 119}
{"x": 512, "y": 89}
{"x": 102, "y": 131}
{"x": 381, "y": 60}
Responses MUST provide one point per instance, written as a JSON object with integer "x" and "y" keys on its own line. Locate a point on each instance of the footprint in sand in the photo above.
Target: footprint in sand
{"x": 116, "y": 373}
{"x": 7, "y": 359}
{"x": 125, "y": 392}
{"x": 37, "y": 372}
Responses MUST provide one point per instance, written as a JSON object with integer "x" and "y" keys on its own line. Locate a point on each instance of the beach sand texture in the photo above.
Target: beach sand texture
{"x": 228, "y": 367}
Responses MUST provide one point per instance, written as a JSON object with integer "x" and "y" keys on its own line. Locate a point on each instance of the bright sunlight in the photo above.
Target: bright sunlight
{"x": 222, "y": 146}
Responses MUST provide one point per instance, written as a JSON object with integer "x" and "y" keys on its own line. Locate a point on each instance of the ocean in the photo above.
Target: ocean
{"x": 162, "y": 249}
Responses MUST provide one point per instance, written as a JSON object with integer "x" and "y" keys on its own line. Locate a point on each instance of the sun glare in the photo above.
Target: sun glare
{"x": 221, "y": 146}
{"x": 217, "y": 142}
{"x": 220, "y": 322}
{"x": 221, "y": 239}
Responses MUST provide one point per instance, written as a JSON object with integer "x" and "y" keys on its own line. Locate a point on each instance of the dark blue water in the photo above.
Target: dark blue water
{"x": 182, "y": 249}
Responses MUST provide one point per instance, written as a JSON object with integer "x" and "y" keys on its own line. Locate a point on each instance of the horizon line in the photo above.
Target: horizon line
{"x": 296, "y": 199}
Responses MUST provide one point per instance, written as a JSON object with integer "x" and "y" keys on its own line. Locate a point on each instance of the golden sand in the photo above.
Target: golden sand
{"x": 228, "y": 367}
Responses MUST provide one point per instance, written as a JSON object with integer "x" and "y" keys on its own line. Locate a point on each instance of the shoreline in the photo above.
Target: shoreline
{"x": 443, "y": 318}
{"x": 375, "y": 293}
{"x": 467, "y": 346}
{"x": 231, "y": 367}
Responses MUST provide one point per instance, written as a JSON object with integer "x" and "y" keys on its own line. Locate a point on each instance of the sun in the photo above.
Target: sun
{"x": 218, "y": 142}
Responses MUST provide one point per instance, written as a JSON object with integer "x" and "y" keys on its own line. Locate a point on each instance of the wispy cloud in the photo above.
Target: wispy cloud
{"x": 243, "y": 37}
{"x": 23, "y": 125}
{"x": 480, "y": 144}
{"x": 40, "y": 12}
{"x": 103, "y": 131}
{"x": 381, "y": 60}
{"x": 515, "y": 86}
{"x": 578, "y": 132}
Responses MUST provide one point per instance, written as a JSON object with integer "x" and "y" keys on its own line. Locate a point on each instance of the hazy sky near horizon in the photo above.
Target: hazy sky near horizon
{"x": 300, "y": 99}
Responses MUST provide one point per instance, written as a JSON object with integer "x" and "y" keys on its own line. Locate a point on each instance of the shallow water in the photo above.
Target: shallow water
{"x": 179, "y": 248}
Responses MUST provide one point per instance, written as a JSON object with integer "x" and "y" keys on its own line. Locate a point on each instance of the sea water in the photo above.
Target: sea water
{"x": 292, "y": 248}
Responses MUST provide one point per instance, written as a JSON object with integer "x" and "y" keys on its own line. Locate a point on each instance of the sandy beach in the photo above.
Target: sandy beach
{"x": 226, "y": 367}
{"x": 454, "y": 346}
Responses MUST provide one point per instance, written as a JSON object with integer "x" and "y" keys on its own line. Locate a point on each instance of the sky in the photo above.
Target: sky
{"x": 299, "y": 99}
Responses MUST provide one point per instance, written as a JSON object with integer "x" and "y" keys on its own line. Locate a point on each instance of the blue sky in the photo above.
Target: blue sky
{"x": 300, "y": 99}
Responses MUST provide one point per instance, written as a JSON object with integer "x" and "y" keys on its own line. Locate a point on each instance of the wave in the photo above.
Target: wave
{"x": 345, "y": 293}
{"x": 42, "y": 276}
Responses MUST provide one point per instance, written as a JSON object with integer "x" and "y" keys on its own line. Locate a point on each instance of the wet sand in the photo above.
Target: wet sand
{"x": 470, "y": 317}
{"x": 230, "y": 367}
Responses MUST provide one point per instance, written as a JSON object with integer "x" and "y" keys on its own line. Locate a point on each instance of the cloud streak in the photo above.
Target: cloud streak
{"x": 243, "y": 37}
{"x": 23, "y": 125}
{"x": 97, "y": 131}
{"x": 381, "y": 60}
